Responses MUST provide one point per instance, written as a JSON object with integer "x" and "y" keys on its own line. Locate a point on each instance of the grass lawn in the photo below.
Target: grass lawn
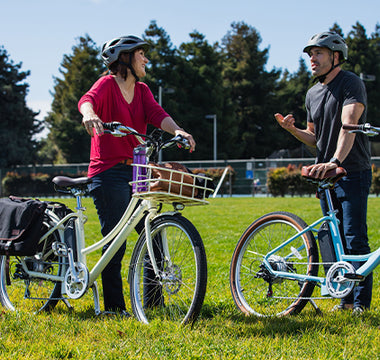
{"x": 221, "y": 332}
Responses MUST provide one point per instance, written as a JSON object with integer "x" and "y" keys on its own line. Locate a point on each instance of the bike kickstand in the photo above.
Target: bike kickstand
{"x": 95, "y": 292}
{"x": 66, "y": 302}
{"x": 315, "y": 306}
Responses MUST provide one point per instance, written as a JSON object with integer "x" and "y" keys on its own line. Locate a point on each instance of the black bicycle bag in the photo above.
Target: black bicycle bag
{"x": 326, "y": 246}
{"x": 21, "y": 223}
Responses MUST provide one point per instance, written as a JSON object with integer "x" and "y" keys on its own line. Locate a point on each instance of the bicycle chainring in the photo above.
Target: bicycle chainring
{"x": 337, "y": 285}
{"x": 76, "y": 286}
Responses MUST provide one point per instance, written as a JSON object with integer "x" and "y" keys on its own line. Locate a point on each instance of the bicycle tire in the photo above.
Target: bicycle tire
{"x": 179, "y": 293}
{"x": 18, "y": 290}
{"x": 254, "y": 290}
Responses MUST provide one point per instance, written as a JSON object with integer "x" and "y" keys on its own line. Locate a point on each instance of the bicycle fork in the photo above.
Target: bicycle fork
{"x": 149, "y": 244}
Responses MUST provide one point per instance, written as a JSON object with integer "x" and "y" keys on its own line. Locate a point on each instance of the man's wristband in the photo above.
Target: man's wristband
{"x": 335, "y": 161}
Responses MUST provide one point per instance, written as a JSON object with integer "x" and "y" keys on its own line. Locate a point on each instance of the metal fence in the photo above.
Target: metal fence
{"x": 250, "y": 175}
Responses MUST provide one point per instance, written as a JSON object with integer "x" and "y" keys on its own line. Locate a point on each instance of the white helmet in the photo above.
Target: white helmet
{"x": 112, "y": 48}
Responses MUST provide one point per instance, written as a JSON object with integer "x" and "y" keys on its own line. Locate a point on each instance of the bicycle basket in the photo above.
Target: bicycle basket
{"x": 172, "y": 182}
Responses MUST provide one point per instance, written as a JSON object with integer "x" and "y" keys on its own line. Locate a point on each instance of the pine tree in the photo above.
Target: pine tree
{"x": 290, "y": 95}
{"x": 252, "y": 89}
{"x": 68, "y": 141}
{"x": 363, "y": 59}
{"x": 18, "y": 122}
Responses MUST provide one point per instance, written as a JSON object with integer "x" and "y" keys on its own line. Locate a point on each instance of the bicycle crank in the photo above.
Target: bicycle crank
{"x": 76, "y": 280}
{"x": 339, "y": 286}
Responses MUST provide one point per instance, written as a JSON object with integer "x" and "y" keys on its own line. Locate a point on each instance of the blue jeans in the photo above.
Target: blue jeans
{"x": 350, "y": 197}
{"x": 111, "y": 193}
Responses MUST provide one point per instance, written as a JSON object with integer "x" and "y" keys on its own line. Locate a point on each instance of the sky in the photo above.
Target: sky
{"x": 38, "y": 33}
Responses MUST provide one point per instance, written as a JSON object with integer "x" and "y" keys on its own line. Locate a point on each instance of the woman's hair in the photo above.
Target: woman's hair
{"x": 122, "y": 64}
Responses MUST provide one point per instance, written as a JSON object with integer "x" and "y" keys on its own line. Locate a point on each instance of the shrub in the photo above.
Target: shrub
{"x": 215, "y": 173}
{"x": 288, "y": 181}
{"x": 375, "y": 187}
{"x": 33, "y": 184}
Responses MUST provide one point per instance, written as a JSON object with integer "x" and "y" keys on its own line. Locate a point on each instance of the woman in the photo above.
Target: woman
{"x": 119, "y": 96}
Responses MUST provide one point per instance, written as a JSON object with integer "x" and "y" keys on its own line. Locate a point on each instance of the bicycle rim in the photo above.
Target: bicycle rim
{"x": 254, "y": 290}
{"x": 178, "y": 293}
{"x": 19, "y": 291}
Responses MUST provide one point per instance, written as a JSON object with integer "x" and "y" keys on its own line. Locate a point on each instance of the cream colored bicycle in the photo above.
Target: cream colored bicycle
{"x": 168, "y": 269}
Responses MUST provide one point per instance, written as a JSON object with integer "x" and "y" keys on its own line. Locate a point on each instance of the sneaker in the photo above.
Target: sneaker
{"x": 358, "y": 310}
{"x": 342, "y": 307}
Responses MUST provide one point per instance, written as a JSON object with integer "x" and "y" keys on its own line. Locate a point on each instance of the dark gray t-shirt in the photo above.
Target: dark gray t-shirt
{"x": 324, "y": 105}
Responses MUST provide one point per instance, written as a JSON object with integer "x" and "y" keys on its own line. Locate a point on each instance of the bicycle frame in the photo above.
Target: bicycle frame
{"x": 162, "y": 274}
{"x": 370, "y": 260}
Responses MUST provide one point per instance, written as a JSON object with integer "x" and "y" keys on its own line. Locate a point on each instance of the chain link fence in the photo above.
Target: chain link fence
{"x": 249, "y": 176}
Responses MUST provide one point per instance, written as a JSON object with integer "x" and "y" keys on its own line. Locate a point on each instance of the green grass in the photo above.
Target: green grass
{"x": 221, "y": 332}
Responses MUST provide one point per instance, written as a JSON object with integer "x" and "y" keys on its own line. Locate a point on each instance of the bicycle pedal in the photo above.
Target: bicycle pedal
{"x": 354, "y": 276}
{"x": 59, "y": 249}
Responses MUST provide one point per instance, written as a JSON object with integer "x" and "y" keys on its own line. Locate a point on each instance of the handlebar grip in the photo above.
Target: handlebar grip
{"x": 353, "y": 127}
{"x": 184, "y": 142}
{"x": 111, "y": 126}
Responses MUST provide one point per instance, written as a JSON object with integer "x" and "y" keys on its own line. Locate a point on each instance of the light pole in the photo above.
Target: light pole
{"x": 366, "y": 77}
{"x": 213, "y": 116}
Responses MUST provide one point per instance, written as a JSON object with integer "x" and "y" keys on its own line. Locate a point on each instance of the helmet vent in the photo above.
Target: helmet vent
{"x": 114, "y": 42}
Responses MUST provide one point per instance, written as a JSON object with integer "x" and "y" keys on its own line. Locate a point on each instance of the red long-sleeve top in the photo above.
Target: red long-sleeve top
{"x": 110, "y": 105}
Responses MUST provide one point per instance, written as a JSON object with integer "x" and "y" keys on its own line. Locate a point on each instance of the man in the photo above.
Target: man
{"x": 339, "y": 97}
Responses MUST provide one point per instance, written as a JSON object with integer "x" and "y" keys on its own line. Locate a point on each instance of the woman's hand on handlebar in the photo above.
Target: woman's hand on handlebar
{"x": 91, "y": 122}
{"x": 186, "y": 136}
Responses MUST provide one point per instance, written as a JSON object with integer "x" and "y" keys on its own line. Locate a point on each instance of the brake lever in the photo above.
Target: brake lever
{"x": 118, "y": 130}
{"x": 182, "y": 141}
{"x": 367, "y": 132}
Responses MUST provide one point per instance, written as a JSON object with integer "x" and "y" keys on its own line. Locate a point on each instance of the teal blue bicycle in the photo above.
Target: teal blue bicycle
{"x": 275, "y": 266}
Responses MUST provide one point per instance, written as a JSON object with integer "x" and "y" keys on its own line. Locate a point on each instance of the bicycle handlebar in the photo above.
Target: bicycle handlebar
{"x": 117, "y": 129}
{"x": 366, "y": 129}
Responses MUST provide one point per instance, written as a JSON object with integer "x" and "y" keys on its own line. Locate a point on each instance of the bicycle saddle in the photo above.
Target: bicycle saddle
{"x": 67, "y": 182}
{"x": 332, "y": 176}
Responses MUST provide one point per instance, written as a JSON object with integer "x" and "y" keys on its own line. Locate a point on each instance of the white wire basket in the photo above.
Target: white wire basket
{"x": 166, "y": 185}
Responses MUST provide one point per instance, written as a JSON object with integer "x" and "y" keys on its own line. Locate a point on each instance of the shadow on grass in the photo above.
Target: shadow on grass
{"x": 308, "y": 320}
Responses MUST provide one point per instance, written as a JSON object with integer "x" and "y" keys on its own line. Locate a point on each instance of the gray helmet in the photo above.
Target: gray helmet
{"x": 112, "y": 48}
{"x": 330, "y": 40}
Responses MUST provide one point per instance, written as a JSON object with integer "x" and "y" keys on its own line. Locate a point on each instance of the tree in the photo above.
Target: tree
{"x": 201, "y": 93}
{"x": 372, "y": 86}
{"x": 363, "y": 59}
{"x": 18, "y": 122}
{"x": 193, "y": 74}
{"x": 68, "y": 139}
{"x": 291, "y": 94}
{"x": 252, "y": 89}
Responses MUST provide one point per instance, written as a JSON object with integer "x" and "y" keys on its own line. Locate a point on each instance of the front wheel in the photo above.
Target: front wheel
{"x": 178, "y": 291}
{"x": 254, "y": 288}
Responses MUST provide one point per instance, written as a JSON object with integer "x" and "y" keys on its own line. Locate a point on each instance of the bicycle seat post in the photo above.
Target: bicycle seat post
{"x": 78, "y": 195}
{"x": 329, "y": 200}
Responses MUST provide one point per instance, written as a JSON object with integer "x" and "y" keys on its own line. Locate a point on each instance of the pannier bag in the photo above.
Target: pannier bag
{"x": 21, "y": 223}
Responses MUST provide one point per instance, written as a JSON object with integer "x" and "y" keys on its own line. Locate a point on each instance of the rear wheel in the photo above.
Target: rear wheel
{"x": 254, "y": 289}
{"x": 178, "y": 292}
{"x": 20, "y": 290}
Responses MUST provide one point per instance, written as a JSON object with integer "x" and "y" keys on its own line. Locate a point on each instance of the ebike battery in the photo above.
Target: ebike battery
{"x": 326, "y": 246}
{"x": 70, "y": 237}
